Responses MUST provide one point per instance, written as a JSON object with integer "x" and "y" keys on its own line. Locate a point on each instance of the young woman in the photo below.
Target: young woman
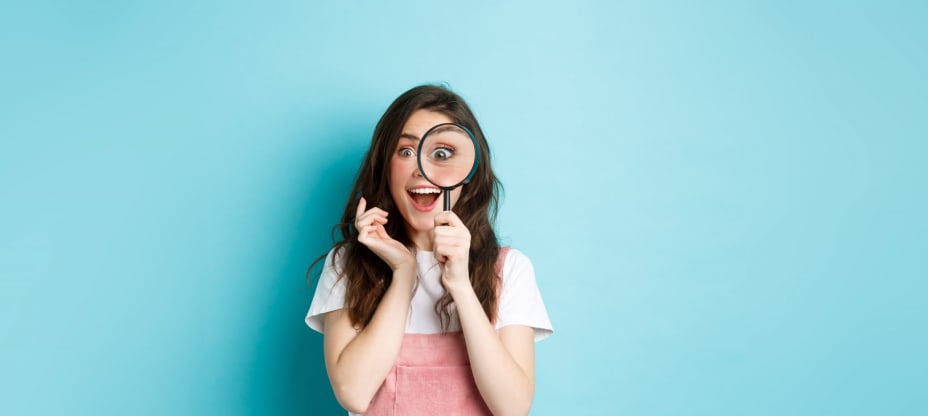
{"x": 422, "y": 311}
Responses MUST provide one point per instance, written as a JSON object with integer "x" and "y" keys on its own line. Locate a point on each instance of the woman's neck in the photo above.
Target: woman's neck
{"x": 421, "y": 240}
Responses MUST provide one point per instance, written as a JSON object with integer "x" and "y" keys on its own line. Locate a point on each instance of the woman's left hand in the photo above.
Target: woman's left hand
{"x": 451, "y": 245}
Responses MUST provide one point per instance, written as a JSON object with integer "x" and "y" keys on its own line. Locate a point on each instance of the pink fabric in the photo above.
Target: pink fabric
{"x": 432, "y": 375}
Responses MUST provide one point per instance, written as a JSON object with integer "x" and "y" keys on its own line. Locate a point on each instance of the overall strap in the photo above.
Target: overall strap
{"x": 500, "y": 262}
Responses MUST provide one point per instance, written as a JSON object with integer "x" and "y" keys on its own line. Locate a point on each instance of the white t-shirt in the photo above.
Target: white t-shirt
{"x": 520, "y": 300}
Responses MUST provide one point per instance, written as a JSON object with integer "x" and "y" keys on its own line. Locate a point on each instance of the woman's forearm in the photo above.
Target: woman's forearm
{"x": 506, "y": 387}
{"x": 363, "y": 363}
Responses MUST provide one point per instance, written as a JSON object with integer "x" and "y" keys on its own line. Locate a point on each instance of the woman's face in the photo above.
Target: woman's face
{"x": 416, "y": 199}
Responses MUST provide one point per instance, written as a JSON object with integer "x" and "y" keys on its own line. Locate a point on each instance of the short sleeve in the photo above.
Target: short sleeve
{"x": 520, "y": 300}
{"x": 330, "y": 292}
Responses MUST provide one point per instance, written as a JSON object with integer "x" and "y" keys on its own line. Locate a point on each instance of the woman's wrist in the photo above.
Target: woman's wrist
{"x": 460, "y": 289}
{"x": 405, "y": 276}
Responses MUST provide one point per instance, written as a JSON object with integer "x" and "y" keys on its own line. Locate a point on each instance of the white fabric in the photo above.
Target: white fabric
{"x": 520, "y": 300}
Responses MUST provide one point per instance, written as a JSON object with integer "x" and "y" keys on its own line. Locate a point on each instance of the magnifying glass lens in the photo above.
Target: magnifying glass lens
{"x": 447, "y": 155}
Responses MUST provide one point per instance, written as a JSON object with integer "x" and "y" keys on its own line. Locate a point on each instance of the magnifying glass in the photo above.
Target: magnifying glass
{"x": 447, "y": 157}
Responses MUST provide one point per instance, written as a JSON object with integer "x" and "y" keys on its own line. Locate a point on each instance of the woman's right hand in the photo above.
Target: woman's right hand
{"x": 372, "y": 234}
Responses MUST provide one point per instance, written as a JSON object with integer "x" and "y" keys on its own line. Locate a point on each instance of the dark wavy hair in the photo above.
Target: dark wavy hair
{"x": 367, "y": 276}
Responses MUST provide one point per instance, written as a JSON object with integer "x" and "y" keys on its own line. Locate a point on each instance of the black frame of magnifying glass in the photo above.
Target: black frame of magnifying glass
{"x": 447, "y": 189}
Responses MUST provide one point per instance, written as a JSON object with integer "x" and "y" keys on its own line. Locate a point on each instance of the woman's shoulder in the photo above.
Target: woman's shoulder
{"x": 335, "y": 258}
{"x": 330, "y": 289}
{"x": 520, "y": 298}
{"x": 515, "y": 269}
{"x": 515, "y": 257}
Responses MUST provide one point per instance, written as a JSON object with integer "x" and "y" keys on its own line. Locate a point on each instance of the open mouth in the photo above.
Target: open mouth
{"x": 424, "y": 198}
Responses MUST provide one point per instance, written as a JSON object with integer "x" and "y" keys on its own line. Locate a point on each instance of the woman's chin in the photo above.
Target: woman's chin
{"x": 420, "y": 227}
{"x": 423, "y": 226}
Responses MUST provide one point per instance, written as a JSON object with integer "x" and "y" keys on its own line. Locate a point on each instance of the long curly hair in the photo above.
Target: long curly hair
{"x": 367, "y": 276}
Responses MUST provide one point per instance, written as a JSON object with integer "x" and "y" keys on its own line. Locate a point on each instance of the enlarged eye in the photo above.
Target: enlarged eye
{"x": 407, "y": 152}
{"x": 442, "y": 153}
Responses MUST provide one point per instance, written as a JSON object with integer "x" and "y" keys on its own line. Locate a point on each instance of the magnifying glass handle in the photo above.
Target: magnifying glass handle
{"x": 447, "y": 200}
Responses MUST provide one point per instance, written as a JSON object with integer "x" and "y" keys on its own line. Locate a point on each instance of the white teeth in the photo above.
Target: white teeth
{"x": 424, "y": 191}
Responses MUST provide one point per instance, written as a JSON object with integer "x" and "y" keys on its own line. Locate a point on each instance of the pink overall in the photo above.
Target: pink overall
{"x": 432, "y": 376}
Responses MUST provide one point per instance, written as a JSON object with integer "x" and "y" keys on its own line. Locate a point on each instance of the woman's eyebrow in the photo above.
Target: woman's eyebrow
{"x": 409, "y": 136}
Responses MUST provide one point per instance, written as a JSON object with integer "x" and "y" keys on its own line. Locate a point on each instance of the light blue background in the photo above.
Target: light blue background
{"x": 725, "y": 201}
